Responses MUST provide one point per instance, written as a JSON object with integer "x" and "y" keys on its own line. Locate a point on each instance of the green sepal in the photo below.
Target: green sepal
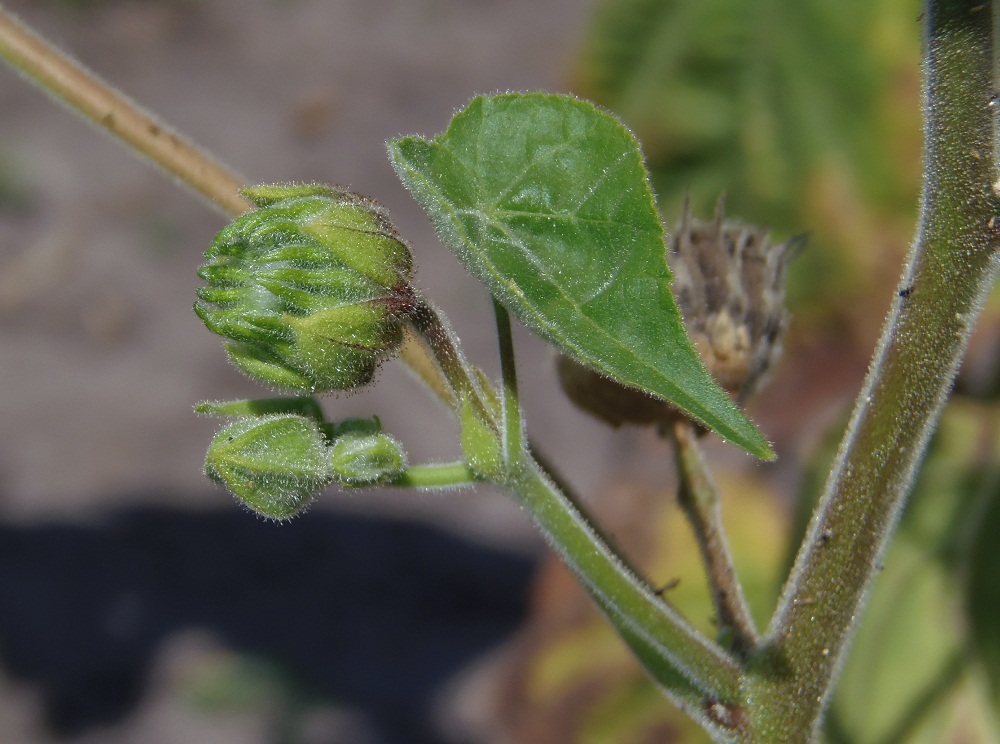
{"x": 357, "y": 230}
{"x": 271, "y": 371}
{"x": 299, "y": 404}
{"x": 367, "y": 326}
{"x": 358, "y": 426}
{"x": 266, "y": 194}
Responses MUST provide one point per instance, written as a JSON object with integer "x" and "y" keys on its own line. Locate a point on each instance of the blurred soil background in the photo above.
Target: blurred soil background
{"x": 139, "y": 604}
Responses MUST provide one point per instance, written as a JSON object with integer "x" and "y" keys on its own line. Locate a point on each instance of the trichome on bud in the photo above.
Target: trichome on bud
{"x": 363, "y": 455}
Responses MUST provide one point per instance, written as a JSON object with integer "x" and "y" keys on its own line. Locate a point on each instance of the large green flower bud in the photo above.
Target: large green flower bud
{"x": 311, "y": 288}
{"x": 276, "y": 464}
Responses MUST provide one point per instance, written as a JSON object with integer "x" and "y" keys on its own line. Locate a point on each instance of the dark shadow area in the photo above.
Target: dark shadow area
{"x": 367, "y": 612}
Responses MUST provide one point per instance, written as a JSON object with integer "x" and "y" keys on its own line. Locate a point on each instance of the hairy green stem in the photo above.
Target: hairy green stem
{"x": 698, "y": 497}
{"x": 418, "y": 357}
{"x": 951, "y": 270}
{"x": 457, "y": 371}
{"x": 695, "y": 671}
{"x": 437, "y": 475}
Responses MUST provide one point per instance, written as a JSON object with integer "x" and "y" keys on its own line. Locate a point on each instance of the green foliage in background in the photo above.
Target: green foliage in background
{"x": 805, "y": 114}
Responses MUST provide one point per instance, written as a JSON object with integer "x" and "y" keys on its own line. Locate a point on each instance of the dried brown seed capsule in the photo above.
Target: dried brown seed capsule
{"x": 729, "y": 283}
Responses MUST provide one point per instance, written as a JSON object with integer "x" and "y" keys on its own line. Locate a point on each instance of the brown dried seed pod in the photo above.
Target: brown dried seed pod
{"x": 729, "y": 282}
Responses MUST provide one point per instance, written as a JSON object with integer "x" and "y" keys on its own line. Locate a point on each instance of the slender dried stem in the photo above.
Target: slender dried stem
{"x": 699, "y": 499}
{"x": 84, "y": 93}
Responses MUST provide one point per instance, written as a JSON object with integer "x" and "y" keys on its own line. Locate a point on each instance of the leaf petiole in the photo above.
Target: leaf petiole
{"x": 513, "y": 426}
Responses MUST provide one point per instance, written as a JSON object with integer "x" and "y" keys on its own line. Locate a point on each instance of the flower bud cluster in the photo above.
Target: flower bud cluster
{"x": 277, "y": 464}
{"x": 310, "y": 289}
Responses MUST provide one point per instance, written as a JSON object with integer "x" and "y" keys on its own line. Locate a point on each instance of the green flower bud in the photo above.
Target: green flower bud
{"x": 363, "y": 455}
{"x": 360, "y": 426}
{"x": 276, "y": 465}
{"x": 311, "y": 288}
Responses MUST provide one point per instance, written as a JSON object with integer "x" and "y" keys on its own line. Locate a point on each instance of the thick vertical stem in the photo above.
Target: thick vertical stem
{"x": 951, "y": 269}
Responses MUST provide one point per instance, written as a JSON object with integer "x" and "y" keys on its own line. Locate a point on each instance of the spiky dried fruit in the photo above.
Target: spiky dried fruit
{"x": 729, "y": 283}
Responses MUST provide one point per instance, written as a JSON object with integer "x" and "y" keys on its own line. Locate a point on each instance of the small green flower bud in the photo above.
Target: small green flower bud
{"x": 311, "y": 288}
{"x": 361, "y": 456}
{"x": 360, "y": 426}
{"x": 276, "y": 465}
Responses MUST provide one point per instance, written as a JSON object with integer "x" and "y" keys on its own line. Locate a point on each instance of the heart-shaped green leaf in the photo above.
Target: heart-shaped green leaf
{"x": 545, "y": 199}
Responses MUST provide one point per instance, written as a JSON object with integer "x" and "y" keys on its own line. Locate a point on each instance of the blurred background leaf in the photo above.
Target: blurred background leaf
{"x": 912, "y": 674}
{"x": 806, "y": 114}
{"x": 980, "y": 560}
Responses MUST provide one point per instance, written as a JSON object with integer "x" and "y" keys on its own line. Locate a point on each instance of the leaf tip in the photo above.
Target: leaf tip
{"x": 751, "y": 440}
